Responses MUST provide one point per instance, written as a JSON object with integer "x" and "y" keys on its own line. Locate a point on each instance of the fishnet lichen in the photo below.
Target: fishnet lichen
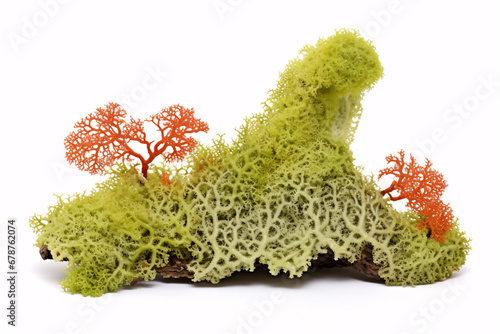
{"x": 285, "y": 191}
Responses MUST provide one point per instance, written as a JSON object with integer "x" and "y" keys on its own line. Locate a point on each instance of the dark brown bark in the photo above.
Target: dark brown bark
{"x": 178, "y": 268}
{"x": 45, "y": 253}
{"x": 364, "y": 265}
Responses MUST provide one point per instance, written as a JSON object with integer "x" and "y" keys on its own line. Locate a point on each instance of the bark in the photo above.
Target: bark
{"x": 178, "y": 268}
{"x": 364, "y": 265}
{"x": 45, "y": 253}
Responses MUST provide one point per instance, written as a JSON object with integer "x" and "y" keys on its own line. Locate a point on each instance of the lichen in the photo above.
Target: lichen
{"x": 285, "y": 191}
{"x": 123, "y": 230}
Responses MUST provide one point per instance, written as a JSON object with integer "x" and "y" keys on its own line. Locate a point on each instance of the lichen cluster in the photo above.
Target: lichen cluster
{"x": 285, "y": 191}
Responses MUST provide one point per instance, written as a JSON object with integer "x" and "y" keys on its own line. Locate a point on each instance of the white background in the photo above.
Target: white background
{"x": 58, "y": 63}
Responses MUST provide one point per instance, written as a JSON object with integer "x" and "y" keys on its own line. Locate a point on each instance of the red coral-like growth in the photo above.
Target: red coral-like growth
{"x": 422, "y": 186}
{"x": 103, "y": 137}
{"x": 439, "y": 219}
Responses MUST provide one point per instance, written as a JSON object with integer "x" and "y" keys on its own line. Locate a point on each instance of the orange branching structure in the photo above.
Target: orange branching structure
{"x": 422, "y": 186}
{"x": 165, "y": 180}
{"x": 104, "y": 137}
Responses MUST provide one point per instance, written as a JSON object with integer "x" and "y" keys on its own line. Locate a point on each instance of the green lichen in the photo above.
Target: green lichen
{"x": 124, "y": 229}
{"x": 285, "y": 191}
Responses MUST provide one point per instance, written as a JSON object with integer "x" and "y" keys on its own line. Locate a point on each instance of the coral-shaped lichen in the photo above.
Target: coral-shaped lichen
{"x": 422, "y": 186}
{"x": 103, "y": 138}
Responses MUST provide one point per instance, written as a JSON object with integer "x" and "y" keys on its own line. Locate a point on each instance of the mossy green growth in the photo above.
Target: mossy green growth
{"x": 285, "y": 191}
{"x": 124, "y": 229}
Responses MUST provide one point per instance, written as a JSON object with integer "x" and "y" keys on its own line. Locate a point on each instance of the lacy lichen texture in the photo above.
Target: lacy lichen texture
{"x": 283, "y": 192}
